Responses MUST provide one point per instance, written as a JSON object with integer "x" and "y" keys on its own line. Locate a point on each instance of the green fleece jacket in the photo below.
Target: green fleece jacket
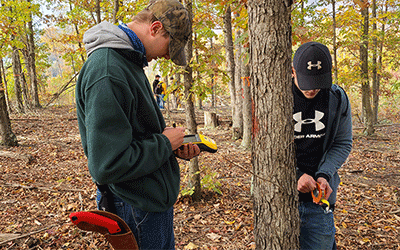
{"x": 121, "y": 130}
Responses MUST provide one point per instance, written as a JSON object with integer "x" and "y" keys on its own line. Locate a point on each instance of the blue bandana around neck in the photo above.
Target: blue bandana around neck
{"x": 136, "y": 43}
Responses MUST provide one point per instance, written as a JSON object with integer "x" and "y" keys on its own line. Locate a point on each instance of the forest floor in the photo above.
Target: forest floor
{"x": 37, "y": 196}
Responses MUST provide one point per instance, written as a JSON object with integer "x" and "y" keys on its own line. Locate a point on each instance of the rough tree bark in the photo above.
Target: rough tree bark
{"x": 34, "y": 101}
{"x": 276, "y": 218}
{"x": 194, "y": 175}
{"x": 335, "y": 70}
{"x": 365, "y": 87}
{"x": 2, "y": 74}
{"x": 6, "y": 135}
{"x": 115, "y": 10}
{"x": 247, "y": 122}
{"x": 375, "y": 82}
{"x": 230, "y": 59}
{"x": 98, "y": 11}
{"x": 238, "y": 116}
{"x": 16, "y": 65}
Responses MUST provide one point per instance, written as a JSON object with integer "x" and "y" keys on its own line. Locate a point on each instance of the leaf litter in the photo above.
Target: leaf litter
{"x": 37, "y": 197}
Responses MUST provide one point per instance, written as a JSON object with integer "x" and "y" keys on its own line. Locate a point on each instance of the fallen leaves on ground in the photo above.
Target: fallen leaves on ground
{"x": 37, "y": 198}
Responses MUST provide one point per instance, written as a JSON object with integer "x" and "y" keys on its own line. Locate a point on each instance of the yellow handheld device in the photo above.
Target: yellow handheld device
{"x": 204, "y": 143}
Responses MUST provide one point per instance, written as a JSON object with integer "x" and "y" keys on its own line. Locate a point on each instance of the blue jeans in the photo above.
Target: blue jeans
{"x": 317, "y": 228}
{"x": 162, "y": 102}
{"x": 159, "y": 100}
{"x": 151, "y": 230}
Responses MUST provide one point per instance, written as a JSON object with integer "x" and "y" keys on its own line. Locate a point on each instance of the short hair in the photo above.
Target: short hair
{"x": 158, "y": 76}
{"x": 146, "y": 16}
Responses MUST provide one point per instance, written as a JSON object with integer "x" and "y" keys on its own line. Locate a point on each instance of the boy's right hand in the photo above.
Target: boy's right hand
{"x": 306, "y": 183}
{"x": 175, "y": 136}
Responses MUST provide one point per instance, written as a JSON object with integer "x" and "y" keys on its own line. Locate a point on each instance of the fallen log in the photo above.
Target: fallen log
{"x": 25, "y": 157}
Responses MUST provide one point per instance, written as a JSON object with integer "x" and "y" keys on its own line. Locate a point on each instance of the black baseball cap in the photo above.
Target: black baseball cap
{"x": 313, "y": 64}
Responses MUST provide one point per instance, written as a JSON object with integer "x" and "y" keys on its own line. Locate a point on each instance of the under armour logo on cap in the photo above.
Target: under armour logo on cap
{"x": 317, "y": 120}
{"x": 310, "y": 65}
{"x": 313, "y": 64}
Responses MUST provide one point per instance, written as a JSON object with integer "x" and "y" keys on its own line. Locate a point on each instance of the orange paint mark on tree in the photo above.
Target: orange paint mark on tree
{"x": 255, "y": 119}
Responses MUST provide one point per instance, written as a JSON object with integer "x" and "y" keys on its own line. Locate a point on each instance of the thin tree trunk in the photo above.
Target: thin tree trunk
{"x": 77, "y": 34}
{"x": 5, "y": 85}
{"x": 194, "y": 171}
{"x": 238, "y": 116}
{"x": 335, "y": 72}
{"x": 198, "y": 76}
{"x": 379, "y": 63}
{"x": 115, "y": 11}
{"x": 276, "y": 217}
{"x": 6, "y": 135}
{"x": 17, "y": 78}
{"x": 176, "y": 93}
{"x": 365, "y": 87}
{"x": 24, "y": 84}
{"x": 230, "y": 59}
{"x": 32, "y": 66}
{"x": 212, "y": 76}
{"x": 375, "y": 86}
{"x": 25, "y": 94}
{"x": 98, "y": 12}
{"x": 247, "y": 122}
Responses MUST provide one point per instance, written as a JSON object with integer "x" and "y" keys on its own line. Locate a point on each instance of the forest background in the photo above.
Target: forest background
{"x": 49, "y": 33}
{"x": 41, "y": 54}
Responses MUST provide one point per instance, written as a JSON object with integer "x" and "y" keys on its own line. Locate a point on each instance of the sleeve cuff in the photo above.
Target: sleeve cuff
{"x": 325, "y": 176}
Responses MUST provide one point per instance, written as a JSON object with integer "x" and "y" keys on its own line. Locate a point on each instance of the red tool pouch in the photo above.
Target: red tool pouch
{"x": 116, "y": 231}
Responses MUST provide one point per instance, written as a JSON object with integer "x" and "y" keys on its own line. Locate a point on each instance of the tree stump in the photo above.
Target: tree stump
{"x": 210, "y": 119}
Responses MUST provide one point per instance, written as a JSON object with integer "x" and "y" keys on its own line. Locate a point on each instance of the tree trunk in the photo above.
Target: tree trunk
{"x": 375, "y": 86}
{"x": 276, "y": 218}
{"x": 115, "y": 11}
{"x": 77, "y": 34}
{"x": 6, "y": 135}
{"x": 198, "y": 77}
{"x": 194, "y": 171}
{"x": 25, "y": 94}
{"x": 98, "y": 11}
{"x": 3, "y": 74}
{"x": 247, "y": 123}
{"x": 32, "y": 66}
{"x": 24, "y": 85}
{"x": 238, "y": 116}
{"x": 230, "y": 59}
{"x": 16, "y": 65}
{"x": 213, "y": 87}
{"x": 335, "y": 70}
{"x": 365, "y": 88}
{"x": 176, "y": 93}
{"x": 210, "y": 119}
{"x": 379, "y": 63}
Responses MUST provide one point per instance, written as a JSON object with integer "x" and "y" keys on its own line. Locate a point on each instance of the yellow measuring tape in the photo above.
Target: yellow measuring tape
{"x": 318, "y": 195}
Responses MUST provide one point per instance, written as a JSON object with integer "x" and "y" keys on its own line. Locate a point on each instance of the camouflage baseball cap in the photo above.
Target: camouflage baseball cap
{"x": 175, "y": 20}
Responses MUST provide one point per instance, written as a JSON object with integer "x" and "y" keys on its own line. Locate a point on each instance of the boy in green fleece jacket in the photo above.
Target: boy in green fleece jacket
{"x": 124, "y": 135}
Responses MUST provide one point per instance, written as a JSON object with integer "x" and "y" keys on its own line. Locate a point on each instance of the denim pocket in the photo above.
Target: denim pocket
{"x": 139, "y": 216}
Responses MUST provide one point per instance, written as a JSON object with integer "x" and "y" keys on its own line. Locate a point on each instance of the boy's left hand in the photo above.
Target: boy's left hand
{"x": 325, "y": 187}
{"x": 187, "y": 151}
